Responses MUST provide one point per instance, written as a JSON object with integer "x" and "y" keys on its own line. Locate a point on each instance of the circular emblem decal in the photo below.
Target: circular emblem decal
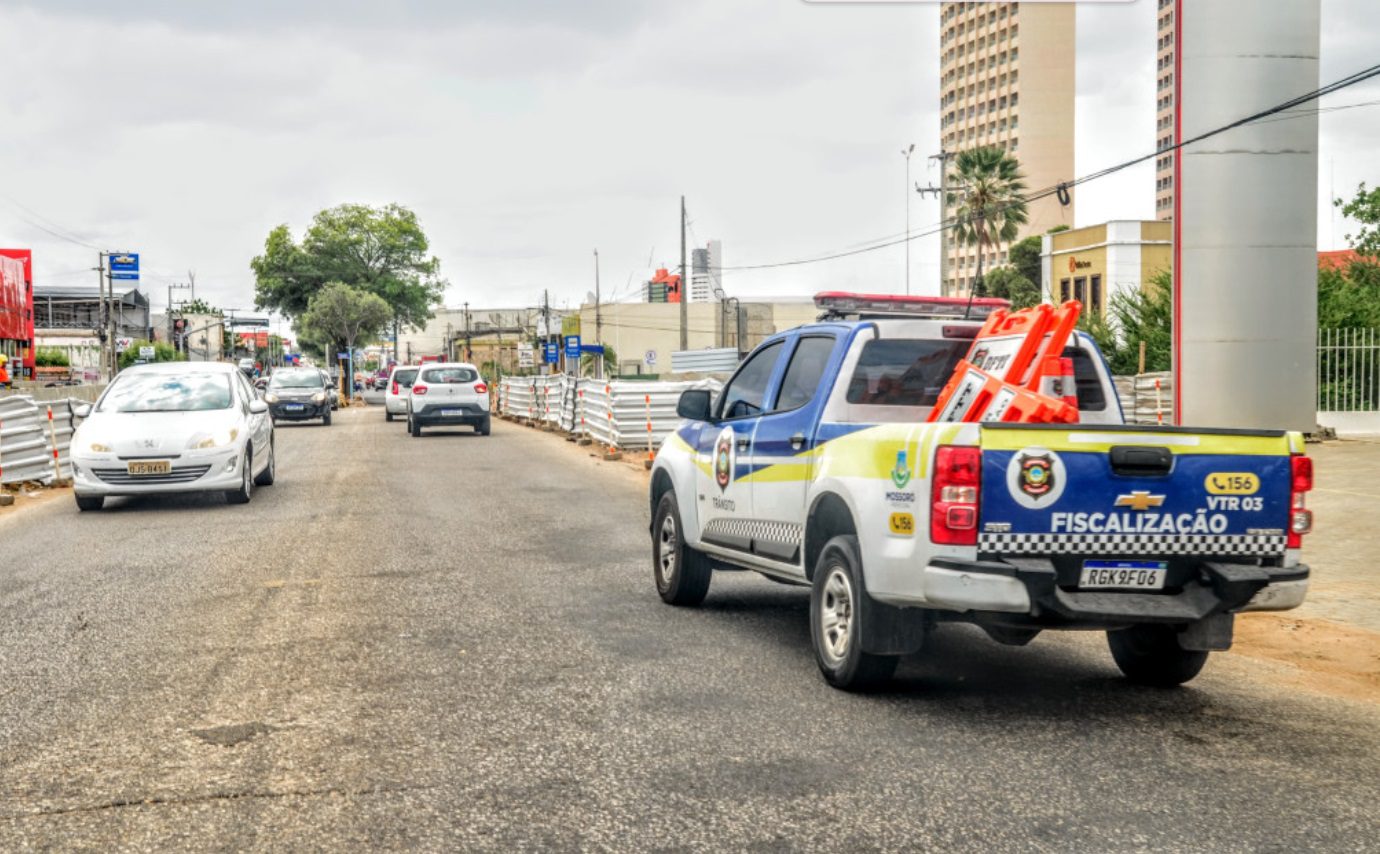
{"x": 723, "y": 458}
{"x": 1035, "y": 477}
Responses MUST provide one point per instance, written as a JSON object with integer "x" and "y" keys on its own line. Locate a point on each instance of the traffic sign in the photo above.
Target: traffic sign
{"x": 572, "y": 346}
{"x": 124, "y": 265}
{"x": 650, "y": 358}
{"x": 552, "y": 352}
{"x": 525, "y": 356}
{"x": 146, "y": 352}
{"x": 123, "y": 344}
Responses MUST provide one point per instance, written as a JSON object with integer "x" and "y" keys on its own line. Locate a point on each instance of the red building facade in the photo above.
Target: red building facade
{"x": 17, "y": 312}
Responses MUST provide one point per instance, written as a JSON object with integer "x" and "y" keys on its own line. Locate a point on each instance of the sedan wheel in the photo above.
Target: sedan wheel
{"x": 246, "y": 490}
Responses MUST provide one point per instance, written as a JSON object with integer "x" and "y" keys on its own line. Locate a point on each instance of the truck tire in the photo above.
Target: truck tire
{"x": 836, "y": 609}
{"x": 682, "y": 574}
{"x": 1150, "y": 655}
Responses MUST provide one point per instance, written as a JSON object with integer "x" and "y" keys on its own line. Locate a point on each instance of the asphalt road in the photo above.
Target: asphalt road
{"x": 454, "y": 643}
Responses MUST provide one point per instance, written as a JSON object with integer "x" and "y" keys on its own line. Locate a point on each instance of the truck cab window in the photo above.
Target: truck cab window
{"x": 743, "y": 395}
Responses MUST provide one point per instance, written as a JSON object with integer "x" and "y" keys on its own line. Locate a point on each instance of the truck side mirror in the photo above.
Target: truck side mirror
{"x": 694, "y": 404}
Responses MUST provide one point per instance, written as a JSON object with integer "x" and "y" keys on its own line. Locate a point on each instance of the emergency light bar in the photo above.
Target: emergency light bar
{"x": 839, "y": 304}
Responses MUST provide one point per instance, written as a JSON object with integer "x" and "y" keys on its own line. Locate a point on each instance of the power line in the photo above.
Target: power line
{"x": 1063, "y": 187}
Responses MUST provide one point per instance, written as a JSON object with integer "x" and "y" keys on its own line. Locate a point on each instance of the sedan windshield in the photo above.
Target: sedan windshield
{"x": 167, "y": 393}
{"x": 296, "y": 379}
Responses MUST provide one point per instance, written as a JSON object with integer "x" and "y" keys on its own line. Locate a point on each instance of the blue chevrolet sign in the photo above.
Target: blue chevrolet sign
{"x": 124, "y": 265}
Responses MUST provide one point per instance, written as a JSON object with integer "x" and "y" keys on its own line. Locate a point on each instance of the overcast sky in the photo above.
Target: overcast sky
{"x": 525, "y": 133}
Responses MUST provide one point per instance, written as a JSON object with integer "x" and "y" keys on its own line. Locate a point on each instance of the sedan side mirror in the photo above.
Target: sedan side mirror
{"x": 82, "y": 410}
{"x": 694, "y": 404}
{"x": 258, "y": 407}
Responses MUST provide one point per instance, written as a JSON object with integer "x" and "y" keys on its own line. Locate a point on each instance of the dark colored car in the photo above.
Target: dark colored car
{"x": 298, "y": 394}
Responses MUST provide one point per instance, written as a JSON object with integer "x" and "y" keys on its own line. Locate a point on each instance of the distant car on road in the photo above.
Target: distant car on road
{"x": 247, "y": 367}
{"x": 397, "y": 390}
{"x": 173, "y": 427}
{"x": 333, "y": 388}
{"x": 448, "y": 393}
{"x": 298, "y": 394}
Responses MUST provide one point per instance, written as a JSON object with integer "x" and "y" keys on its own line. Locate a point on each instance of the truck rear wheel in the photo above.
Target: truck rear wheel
{"x": 682, "y": 574}
{"x": 1151, "y": 655}
{"x": 836, "y": 609}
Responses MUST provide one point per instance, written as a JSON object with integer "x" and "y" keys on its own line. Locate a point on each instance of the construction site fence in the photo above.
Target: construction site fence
{"x": 27, "y": 440}
{"x": 1146, "y": 398}
{"x": 623, "y": 414}
{"x": 87, "y": 393}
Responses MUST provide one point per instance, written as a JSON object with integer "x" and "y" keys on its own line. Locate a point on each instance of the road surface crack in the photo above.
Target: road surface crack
{"x": 213, "y": 796}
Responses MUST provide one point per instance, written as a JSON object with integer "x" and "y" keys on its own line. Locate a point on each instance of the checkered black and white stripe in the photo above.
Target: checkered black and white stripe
{"x": 1131, "y": 544}
{"x": 775, "y": 532}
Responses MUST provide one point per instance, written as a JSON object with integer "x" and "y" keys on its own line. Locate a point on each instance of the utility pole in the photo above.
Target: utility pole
{"x": 467, "y": 333}
{"x": 546, "y": 325}
{"x": 110, "y": 321}
{"x": 101, "y": 309}
{"x": 598, "y": 311}
{"x": 191, "y": 283}
{"x": 906, "y": 153}
{"x": 943, "y": 157}
{"x": 684, "y": 290}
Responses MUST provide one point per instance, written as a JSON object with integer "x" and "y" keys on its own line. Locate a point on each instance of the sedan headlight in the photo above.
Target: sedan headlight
{"x": 99, "y": 448}
{"x": 218, "y": 439}
{"x": 319, "y": 397}
{"x": 270, "y": 397}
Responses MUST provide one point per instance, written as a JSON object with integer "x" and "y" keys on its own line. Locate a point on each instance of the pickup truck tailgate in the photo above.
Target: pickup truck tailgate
{"x": 1134, "y": 491}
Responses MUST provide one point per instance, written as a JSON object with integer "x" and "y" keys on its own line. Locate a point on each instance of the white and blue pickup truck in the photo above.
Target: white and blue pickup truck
{"x": 815, "y": 465}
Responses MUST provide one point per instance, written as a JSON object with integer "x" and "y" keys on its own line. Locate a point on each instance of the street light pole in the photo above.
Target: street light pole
{"x": 906, "y": 152}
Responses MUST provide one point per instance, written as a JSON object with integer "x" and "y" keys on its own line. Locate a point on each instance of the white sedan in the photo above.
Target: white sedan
{"x": 173, "y": 427}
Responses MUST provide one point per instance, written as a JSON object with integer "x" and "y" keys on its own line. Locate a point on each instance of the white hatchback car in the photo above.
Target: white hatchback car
{"x": 398, "y": 389}
{"x": 173, "y": 427}
{"x": 448, "y": 393}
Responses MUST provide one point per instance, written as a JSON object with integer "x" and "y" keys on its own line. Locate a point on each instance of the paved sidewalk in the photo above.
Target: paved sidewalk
{"x": 1344, "y": 548}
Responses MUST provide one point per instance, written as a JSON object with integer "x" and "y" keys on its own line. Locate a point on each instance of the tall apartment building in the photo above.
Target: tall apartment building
{"x": 706, "y": 272}
{"x": 1007, "y": 79}
{"x": 1164, "y": 111}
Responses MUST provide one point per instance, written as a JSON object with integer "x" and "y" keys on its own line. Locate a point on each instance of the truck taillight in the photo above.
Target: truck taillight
{"x": 1300, "y": 482}
{"x": 480, "y": 388}
{"x": 954, "y": 493}
{"x": 418, "y": 388}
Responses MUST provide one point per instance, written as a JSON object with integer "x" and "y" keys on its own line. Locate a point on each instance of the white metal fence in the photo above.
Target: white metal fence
{"x": 1348, "y": 370}
{"x": 624, "y": 414}
{"x": 27, "y": 438}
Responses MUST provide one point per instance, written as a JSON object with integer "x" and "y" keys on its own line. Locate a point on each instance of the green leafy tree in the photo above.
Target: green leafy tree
{"x": 162, "y": 352}
{"x": 1364, "y": 207}
{"x": 344, "y": 316}
{"x": 988, "y": 202}
{"x": 382, "y": 251}
{"x": 1132, "y": 317}
{"x": 1349, "y": 297}
{"x": 1008, "y": 283}
{"x": 1024, "y": 256}
{"x": 51, "y": 357}
{"x": 198, "y": 306}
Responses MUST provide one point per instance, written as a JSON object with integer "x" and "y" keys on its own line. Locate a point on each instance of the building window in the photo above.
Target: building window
{"x": 1080, "y": 289}
{"x": 1095, "y": 292}
{"x": 1063, "y": 290}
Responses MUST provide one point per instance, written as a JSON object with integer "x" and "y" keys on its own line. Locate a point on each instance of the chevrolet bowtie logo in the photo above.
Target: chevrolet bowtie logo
{"x": 1139, "y": 500}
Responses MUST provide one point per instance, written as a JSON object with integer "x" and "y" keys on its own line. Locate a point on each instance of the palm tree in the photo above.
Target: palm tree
{"x": 986, "y": 195}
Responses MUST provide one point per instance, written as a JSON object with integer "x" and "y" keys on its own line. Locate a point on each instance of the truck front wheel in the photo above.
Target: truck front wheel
{"x": 1151, "y": 655}
{"x": 682, "y": 574}
{"x": 836, "y": 610}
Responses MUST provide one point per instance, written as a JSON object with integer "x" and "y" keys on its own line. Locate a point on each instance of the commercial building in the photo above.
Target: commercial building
{"x": 706, "y": 272}
{"x": 1164, "y": 110}
{"x": 69, "y": 319}
{"x": 17, "y": 313}
{"x": 1007, "y": 80}
{"x": 1093, "y": 263}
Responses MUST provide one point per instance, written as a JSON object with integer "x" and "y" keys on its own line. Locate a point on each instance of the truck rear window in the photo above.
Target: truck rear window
{"x": 904, "y": 371}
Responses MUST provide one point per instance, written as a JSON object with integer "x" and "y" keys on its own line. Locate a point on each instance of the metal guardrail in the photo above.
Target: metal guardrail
{"x": 26, "y": 439}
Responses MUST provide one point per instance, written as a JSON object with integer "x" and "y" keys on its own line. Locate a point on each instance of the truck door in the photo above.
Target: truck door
{"x": 781, "y": 460}
{"x": 723, "y": 495}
